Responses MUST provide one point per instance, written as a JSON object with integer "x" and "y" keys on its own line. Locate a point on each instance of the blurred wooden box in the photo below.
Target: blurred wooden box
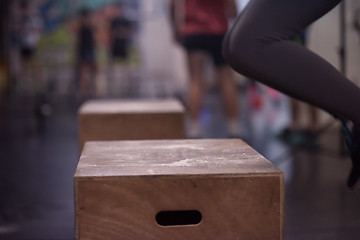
{"x": 177, "y": 189}
{"x": 106, "y": 120}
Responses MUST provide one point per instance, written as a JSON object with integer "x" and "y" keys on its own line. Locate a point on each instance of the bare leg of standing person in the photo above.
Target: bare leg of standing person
{"x": 82, "y": 80}
{"x": 229, "y": 98}
{"x": 195, "y": 91}
{"x": 313, "y": 119}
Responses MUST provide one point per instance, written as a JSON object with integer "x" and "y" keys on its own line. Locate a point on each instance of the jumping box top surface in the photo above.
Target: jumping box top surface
{"x": 131, "y": 106}
{"x": 172, "y": 157}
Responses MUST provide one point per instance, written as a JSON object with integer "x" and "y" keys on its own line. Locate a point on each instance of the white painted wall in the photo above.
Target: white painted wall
{"x": 163, "y": 60}
{"x": 324, "y": 39}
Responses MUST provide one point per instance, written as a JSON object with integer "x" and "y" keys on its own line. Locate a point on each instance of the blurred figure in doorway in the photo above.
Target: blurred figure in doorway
{"x": 85, "y": 56}
{"x": 121, "y": 32}
{"x": 28, "y": 28}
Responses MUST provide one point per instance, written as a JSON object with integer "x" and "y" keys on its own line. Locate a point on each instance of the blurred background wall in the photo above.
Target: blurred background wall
{"x": 160, "y": 59}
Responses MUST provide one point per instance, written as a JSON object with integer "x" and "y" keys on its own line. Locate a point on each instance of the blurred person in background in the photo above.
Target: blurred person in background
{"x": 85, "y": 55}
{"x": 121, "y": 32}
{"x": 200, "y": 25}
{"x": 26, "y": 36}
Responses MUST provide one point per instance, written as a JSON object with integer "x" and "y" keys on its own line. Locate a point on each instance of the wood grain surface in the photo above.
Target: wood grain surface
{"x": 121, "y": 186}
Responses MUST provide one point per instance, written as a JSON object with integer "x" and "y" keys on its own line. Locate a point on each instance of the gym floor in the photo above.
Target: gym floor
{"x": 39, "y": 157}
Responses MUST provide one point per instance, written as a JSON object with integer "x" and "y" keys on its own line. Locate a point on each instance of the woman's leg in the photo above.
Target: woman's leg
{"x": 260, "y": 46}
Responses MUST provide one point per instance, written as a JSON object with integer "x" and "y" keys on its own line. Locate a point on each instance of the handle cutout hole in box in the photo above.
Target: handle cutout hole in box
{"x": 178, "y": 218}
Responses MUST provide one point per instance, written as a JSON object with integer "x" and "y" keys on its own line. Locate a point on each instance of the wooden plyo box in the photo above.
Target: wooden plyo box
{"x": 177, "y": 189}
{"x": 106, "y": 120}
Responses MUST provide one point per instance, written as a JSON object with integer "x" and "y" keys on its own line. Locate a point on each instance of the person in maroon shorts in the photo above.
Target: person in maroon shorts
{"x": 200, "y": 26}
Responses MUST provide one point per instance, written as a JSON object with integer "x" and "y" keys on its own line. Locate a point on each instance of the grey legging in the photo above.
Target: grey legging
{"x": 260, "y": 46}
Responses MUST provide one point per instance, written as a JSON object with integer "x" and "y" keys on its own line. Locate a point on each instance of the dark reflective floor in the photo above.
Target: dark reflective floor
{"x": 39, "y": 156}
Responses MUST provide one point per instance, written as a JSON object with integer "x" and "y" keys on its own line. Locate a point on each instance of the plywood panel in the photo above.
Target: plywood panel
{"x": 121, "y": 186}
{"x": 101, "y": 120}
